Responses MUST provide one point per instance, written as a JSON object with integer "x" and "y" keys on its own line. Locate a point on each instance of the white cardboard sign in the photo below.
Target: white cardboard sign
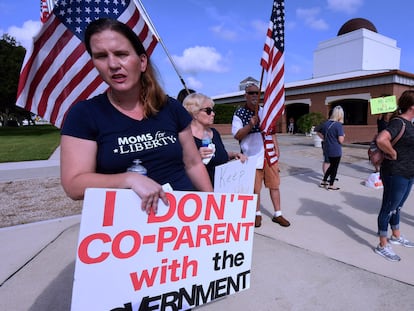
{"x": 235, "y": 176}
{"x": 191, "y": 252}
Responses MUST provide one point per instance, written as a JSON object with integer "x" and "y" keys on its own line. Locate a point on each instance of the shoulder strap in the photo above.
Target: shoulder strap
{"x": 330, "y": 125}
{"x": 400, "y": 134}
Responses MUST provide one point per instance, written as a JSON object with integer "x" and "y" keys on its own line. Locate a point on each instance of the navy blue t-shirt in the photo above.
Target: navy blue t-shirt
{"x": 220, "y": 156}
{"x": 121, "y": 139}
{"x": 331, "y": 130}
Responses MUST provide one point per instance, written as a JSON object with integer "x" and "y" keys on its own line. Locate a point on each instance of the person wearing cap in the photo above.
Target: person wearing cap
{"x": 245, "y": 128}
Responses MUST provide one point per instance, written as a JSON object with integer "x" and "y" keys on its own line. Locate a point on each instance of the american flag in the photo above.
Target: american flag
{"x": 44, "y": 10}
{"x": 273, "y": 63}
{"x": 59, "y": 72}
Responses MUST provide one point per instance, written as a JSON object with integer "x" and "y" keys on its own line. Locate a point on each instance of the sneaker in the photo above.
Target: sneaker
{"x": 400, "y": 241}
{"x": 258, "y": 221}
{"x": 281, "y": 221}
{"x": 387, "y": 253}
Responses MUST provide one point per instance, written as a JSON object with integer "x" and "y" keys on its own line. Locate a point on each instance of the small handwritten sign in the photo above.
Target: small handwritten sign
{"x": 383, "y": 104}
{"x": 235, "y": 176}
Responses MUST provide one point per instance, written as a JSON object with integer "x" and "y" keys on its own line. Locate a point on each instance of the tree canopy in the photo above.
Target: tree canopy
{"x": 11, "y": 60}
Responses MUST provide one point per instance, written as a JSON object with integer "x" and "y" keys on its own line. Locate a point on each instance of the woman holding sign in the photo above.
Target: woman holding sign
{"x": 133, "y": 120}
{"x": 207, "y": 139}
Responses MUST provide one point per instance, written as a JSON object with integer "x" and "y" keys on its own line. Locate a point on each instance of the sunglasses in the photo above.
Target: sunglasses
{"x": 207, "y": 110}
{"x": 253, "y": 93}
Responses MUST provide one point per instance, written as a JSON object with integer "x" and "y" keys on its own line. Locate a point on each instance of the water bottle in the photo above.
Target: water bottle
{"x": 137, "y": 167}
{"x": 205, "y": 140}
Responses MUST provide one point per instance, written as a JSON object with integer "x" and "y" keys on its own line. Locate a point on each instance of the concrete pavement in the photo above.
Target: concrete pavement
{"x": 323, "y": 261}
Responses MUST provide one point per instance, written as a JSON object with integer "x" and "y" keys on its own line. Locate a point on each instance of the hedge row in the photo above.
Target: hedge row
{"x": 224, "y": 113}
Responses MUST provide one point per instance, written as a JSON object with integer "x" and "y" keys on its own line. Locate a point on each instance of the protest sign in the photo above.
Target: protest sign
{"x": 235, "y": 176}
{"x": 191, "y": 252}
{"x": 383, "y": 104}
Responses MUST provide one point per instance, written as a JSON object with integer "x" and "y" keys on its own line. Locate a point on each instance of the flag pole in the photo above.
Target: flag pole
{"x": 144, "y": 11}
{"x": 256, "y": 108}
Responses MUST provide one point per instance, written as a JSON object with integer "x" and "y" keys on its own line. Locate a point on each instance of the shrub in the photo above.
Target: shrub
{"x": 306, "y": 121}
{"x": 224, "y": 113}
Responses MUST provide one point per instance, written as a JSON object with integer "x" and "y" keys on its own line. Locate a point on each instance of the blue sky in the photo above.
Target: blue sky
{"x": 218, "y": 43}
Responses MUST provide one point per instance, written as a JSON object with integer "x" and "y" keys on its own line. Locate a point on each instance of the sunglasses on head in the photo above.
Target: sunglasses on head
{"x": 207, "y": 110}
{"x": 253, "y": 92}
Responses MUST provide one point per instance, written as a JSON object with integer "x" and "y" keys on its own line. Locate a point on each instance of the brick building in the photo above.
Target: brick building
{"x": 348, "y": 70}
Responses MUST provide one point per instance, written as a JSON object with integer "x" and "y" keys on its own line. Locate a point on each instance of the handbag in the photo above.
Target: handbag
{"x": 375, "y": 154}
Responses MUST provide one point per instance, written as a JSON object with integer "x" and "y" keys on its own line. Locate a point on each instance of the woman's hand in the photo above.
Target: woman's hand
{"x": 78, "y": 163}
{"x": 148, "y": 190}
{"x": 239, "y": 156}
{"x": 206, "y": 152}
{"x": 393, "y": 154}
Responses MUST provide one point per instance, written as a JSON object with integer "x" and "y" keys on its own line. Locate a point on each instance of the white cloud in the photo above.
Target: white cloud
{"x": 200, "y": 59}
{"x": 24, "y": 35}
{"x": 347, "y": 6}
{"x": 226, "y": 34}
{"x": 310, "y": 18}
{"x": 194, "y": 84}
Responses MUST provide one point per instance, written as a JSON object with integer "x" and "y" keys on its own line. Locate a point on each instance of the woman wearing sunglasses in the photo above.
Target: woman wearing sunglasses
{"x": 201, "y": 109}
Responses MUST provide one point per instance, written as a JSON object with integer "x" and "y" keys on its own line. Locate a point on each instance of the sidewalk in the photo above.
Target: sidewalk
{"x": 323, "y": 261}
{"x": 31, "y": 169}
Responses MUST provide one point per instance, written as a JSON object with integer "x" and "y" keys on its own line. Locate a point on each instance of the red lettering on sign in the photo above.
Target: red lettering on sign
{"x": 190, "y": 208}
{"x": 245, "y": 199}
{"x": 109, "y": 210}
{"x": 166, "y": 272}
{"x": 116, "y": 244}
{"x": 211, "y": 204}
{"x": 192, "y": 236}
{"x": 84, "y": 245}
{"x": 116, "y": 248}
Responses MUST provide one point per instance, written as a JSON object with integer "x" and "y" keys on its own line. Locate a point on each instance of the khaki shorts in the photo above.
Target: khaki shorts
{"x": 270, "y": 176}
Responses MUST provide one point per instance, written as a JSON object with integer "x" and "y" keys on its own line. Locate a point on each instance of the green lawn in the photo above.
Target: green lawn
{"x": 27, "y": 143}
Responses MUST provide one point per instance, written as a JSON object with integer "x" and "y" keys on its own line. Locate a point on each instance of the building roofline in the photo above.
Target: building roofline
{"x": 339, "y": 81}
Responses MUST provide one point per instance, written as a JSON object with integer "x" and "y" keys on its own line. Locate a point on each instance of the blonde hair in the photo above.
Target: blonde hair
{"x": 337, "y": 114}
{"x": 194, "y": 102}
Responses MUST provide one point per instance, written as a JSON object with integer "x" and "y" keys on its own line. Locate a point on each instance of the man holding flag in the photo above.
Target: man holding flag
{"x": 261, "y": 141}
{"x": 245, "y": 128}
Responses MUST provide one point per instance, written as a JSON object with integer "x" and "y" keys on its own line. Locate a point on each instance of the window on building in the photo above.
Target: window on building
{"x": 355, "y": 110}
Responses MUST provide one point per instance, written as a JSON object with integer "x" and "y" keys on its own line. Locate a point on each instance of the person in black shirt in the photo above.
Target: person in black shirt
{"x": 397, "y": 175}
{"x": 201, "y": 109}
{"x": 382, "y": 121}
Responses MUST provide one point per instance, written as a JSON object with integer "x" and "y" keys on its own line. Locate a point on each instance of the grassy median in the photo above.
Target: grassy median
{"x": 28, "y": 143}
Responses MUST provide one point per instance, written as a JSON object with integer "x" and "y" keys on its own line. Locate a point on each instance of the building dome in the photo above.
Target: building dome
{"x": 355, "y": 24}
